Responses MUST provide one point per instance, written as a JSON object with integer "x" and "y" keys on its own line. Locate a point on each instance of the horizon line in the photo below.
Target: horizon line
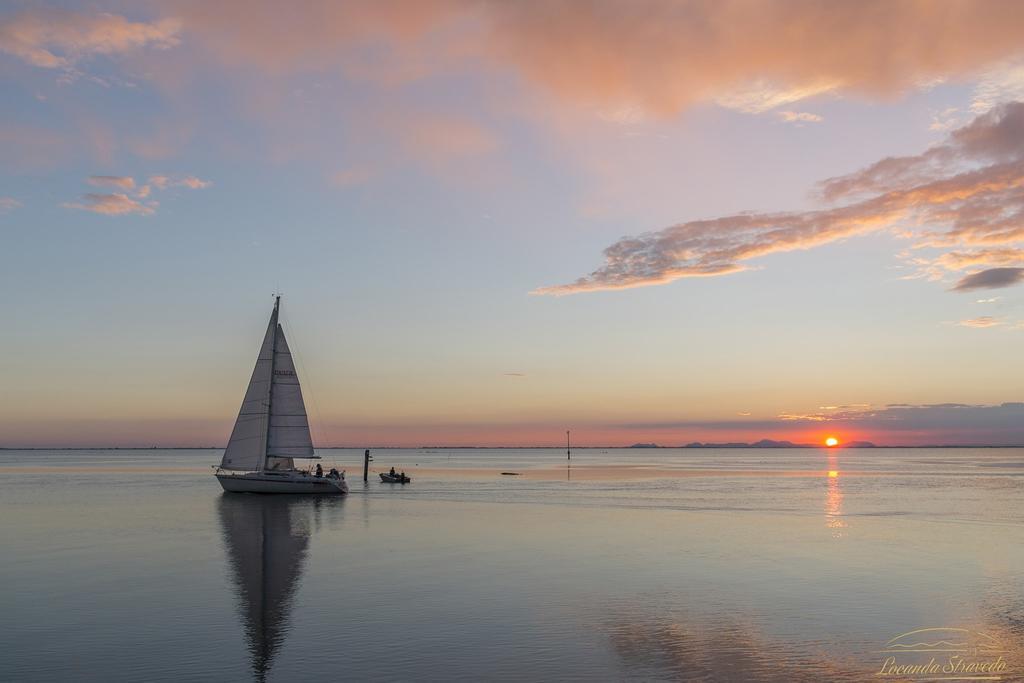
{"x": 702, "y": 446}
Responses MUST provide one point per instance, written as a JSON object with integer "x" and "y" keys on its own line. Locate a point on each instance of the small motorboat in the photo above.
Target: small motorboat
{"x": 394, "y": 478}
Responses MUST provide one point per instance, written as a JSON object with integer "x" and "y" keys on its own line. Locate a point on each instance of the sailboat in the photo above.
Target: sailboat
{"x": 272, "y": 429}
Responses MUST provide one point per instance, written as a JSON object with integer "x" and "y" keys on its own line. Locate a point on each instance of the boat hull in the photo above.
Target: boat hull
{"x": 256, "y": 482}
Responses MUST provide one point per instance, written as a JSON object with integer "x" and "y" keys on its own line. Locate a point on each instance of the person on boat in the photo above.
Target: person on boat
{"x": 392, "y": 472}
{"x": 402, "y": 479}
{"x": 333, "y": 474}
{"x": 319, "y": 471}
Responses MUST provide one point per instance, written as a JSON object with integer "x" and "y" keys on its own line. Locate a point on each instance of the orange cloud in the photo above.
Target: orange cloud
{"x": 115, "y": 204}
{"x": 981, "y": 322}
{"x": 8, "y": 203}
{"x": 959, "y": 260}
{"x": 52, "y": 38}
{"x": 966, "y": 192}
{"x": 193, "y": 183}
{"x": 120, "y": 203}
{"x": 652, "y": 59}
{"x": 799, "y": 117}
{"x": 122, "y": 182}
{"x": 661, "y": 55}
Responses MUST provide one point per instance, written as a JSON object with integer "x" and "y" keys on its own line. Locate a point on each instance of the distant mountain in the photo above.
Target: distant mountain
{"x": 645, "y": 445}
{"x": 769, "y": 443}
{"x": 763, "y": 443}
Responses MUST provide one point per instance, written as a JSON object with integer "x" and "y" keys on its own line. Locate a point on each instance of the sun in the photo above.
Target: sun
{"x": 831, "y": 441}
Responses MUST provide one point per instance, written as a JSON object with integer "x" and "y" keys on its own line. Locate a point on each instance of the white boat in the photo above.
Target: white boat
{"x": 272, "y": 429}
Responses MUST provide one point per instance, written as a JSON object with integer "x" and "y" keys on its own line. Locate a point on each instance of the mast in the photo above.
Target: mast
{"x": 270, "y": 384}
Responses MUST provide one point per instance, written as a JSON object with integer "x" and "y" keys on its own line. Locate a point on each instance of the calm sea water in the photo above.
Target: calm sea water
{"x": 733, "y": 565}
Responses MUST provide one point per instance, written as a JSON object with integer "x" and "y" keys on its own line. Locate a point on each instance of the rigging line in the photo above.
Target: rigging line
{"x": 305, "y": 379}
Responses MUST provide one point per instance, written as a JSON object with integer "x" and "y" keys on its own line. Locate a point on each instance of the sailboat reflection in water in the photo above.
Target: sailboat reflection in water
{"x": 266, "y": 539}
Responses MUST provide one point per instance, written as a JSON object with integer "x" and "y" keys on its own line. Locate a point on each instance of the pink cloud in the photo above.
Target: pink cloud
{"x": 605, "y": 54}
{"x": 193, "y": 183}
{"x": 114, "y": 204}
{"x": 121, "y": 182}
{"x": 968, "y": 192}
{"x": 440, "y": 138}
{"x": 52, "y": 38}
{"x": 799, "y": 117}
{"x": 123, "y": 203}
{"x": 8, "y": 204}
{"x": 670, "y": 55}
{"x": 162, "y": 182}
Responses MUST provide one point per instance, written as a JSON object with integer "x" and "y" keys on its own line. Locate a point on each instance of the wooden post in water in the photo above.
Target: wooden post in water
{"x": 366, "y": 465}
{"x": 568, "y": 451}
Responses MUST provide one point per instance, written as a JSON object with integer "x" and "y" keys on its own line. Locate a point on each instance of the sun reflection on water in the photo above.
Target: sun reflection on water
{"x": 834, "y": 519}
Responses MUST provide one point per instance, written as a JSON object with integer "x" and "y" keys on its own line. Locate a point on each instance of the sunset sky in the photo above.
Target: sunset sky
{"x": 495, "y": 221}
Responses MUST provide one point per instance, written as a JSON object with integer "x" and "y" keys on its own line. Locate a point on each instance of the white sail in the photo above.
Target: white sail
{"x": 288, "y": 435}
{"x": 247, "y": 446}
{"x": 272, "y": 427}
